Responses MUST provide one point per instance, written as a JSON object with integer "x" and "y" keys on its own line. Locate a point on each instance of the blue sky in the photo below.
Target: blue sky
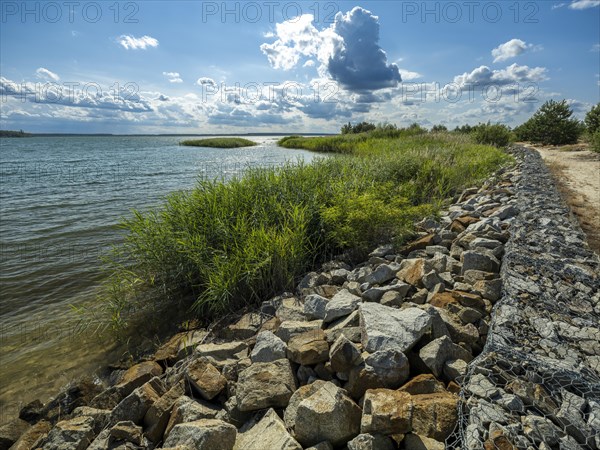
{"x": 237, "y": 67}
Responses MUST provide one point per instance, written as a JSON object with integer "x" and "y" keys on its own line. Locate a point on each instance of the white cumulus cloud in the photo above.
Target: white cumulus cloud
{"x": 131, "y": 42}
{"x": 348, "y": 50}
{"x": 484, "y": 76}
{"x": 173, "y": 77}
{"x": 510, "y": 49}
{"x": 584, "y": 4}
{"x": 46, "y": 74}
{"x": 407, "y": 75}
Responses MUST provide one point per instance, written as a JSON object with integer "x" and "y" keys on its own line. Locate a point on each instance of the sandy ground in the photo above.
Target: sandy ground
{"x": 577, "y": 172}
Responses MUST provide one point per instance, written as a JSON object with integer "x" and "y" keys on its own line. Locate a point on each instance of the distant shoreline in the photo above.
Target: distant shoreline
{"x": 164, "y": 135}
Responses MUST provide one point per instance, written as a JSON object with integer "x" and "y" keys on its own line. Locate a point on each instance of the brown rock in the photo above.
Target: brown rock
{"x": 157, "y": 417}
{"x": 205, "y": 378}
{"x": 434, "y": 415}
{"x": 308, "y": 348}
{"x": 31, "y": 438}
{"x": 135, "y": 405}
{"x": 187, "y": 410}
{"x": 470, "y": 300}
{"x": 498, "y": 441}
{"x": 386, "y": 411}
{"x": 245, "y": 328}
{"x": 264, "y": 385}
{"x": 423, "y": 384}
{"x": 419, "y": 244}
{"x": 444, "y": 300}
{"x": 412, "y": 271}
{"x": 137, "y": 375}
{"x": 127, "y": 432}
{"x": 12, "y": 431}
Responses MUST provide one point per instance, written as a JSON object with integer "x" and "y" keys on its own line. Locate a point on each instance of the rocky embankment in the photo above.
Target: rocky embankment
{"x": 373, "y": 356}
{"x": 537, "y": 383}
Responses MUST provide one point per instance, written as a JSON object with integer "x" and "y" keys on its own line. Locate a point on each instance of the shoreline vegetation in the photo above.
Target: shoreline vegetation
{"x": 225, "y": 246}
{"x": 223, "y": 142}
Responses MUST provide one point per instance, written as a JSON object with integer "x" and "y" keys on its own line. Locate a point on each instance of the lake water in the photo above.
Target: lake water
{"x": 61, "y": 199}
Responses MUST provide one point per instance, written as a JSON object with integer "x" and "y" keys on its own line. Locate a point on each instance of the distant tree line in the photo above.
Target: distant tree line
{"x": 10, "y": 133}
{"x": 552, "y": 124}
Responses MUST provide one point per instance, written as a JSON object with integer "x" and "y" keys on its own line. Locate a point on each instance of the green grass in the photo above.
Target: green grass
{"x": 225, "y": 142}
{"x": 235, "y": 244}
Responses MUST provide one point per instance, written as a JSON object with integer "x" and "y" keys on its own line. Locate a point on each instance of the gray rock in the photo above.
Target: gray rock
{"x": 504, "y": 212}
{"x": 135, "y": 406}
{"x": 382, "y": 369}
{"x": 327, "y": 415}
{"x": 371, "y": 442}
{"x": 187, "y": 410}
{"x": 431, "y": 279}
{"x": 342, "y": 304}
{"x": 392, "y": 298}
{"x": 264, "y": 385}
{"x": 383, "y": 274}
{"x": 288, "y": 329}
{"x": 220, "y": 355}
{"x": 314, "y": 306}
{"x": 339, "y": 276}
{"x": 414, "y": 441}
{"x": 479, "y": 385}
{"x": 268, "y": 348}
{"x": 383, "y": 327}
{"x": 344, "y": 355}
{"x": 11, "y": 431}
{"x": 375, "y": 294}
{"x": 291, "y": 411}
{"x": 489, "y": 289}
{"x": 73, "y": 434}
{"x": 455, "y": 368}
{"x": 437, "y": 352}
{"x": 539, "y": 429}
{"x": 479, "y": 260}
{"x": 203, "y": 434}
{"x": 269, "y": 432}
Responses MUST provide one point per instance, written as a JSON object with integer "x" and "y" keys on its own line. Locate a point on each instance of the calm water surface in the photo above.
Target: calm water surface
{"x": 60, "y": 201}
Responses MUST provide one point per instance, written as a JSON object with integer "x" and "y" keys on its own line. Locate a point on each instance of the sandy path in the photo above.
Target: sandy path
{"x": 578, "y": 178}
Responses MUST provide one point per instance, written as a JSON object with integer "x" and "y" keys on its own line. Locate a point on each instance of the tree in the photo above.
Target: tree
{"x": 439, "y": 128}
{"x": 592, "y": 122}
{"x": 592, "y": 119}
{"x": 552, "y": 124}
{"x": 497, "y": 135}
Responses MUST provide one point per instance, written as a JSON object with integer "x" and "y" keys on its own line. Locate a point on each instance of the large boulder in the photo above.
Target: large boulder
{"x": 186, "y": 409}
{"x": 204, "y": 434}
{"x": 137, "y": 375}
{"x": 327, "y": 415}
{"x": 302, "y": 393}
{"x": 314, "y": 306}
{"x": 287, "y": 329}
{"x": 434, "y": 415}
{"x": 308, "y": 348}
{"x": 264, "y": 385}
{"x": 268, "y": 348}
{"x": 383, "y": 327}
{"x": 342, "y": 304}
{"x": 11, "y": 431}
{"x": 480, "y": 260}
{"x": 205, "y": 378}
{"x": 135, "y": 406}
{"x": 158, "y": 415}
{"x": 220, "y": 355}
{"x": 31, "y": 438}
{"x": 437, "y": 352}
{"x": 382, "y": 369}
{"x": 344, "y": 355}
{"x": 73, "y": 434}
{"x": 269, "y": 432}
{"x": 386, "y": 411}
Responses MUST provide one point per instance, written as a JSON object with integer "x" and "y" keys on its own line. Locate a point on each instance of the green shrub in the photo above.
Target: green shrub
{"x": 594, "y": 140}
{"x": 592, "y": 119}
{"x": 439, "y": 128}
{"x": 552, "y": 124}
{"x": 234, "y": 244}
{"x": 497, "y": 135}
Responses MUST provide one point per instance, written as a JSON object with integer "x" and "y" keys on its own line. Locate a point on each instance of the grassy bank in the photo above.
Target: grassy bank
{"x": 227, "y": 245}
{"x": 226, "y": 142}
